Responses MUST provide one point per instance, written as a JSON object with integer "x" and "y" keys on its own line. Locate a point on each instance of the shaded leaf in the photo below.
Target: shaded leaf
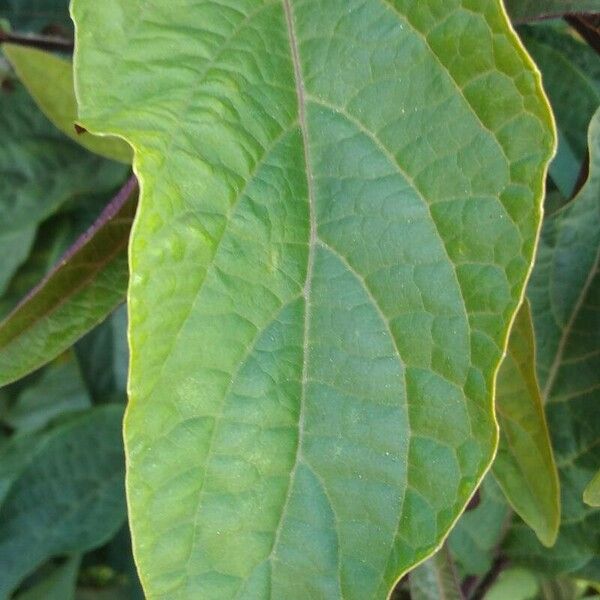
{"x": 435, "y": 579}
{"x": 87, "y": 284}
{"x": 49, "y": 79}
{"x": 37, "y": 15}
{"x": 40, "y": 171}
{"x": 58, "y": 585}
{"x": 59, "y": 391}
{"x": 591, "y": 494}
{"x": 565, "y": 299}
{"x": 339, "y": 213}
{"x": 571, "y": 75}
{"x": 528, "y": 10}
{"x": 524, "y": 466}
{"x": 514, "y": 584}
{"x": 68, "y": 499}
{"x": 479, "y": 532}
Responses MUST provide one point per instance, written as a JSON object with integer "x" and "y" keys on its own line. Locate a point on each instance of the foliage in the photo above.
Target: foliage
{"x": 340, "y": 205}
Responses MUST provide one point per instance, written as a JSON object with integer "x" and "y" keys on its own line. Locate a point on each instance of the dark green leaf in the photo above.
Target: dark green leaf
{"x": 435, "y": 579}
{"x": 58, "y": 585}
{"x": 68, "y": 499}
{"x": 89, "y": 282}
{"x": 529, "y": 10}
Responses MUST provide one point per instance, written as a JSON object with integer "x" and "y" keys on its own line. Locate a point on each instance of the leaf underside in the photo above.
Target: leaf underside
{"x": 528, "y": 10}
{"x": 338, "y": 215}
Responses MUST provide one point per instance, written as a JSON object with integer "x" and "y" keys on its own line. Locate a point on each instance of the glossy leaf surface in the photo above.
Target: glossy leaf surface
{"x": 88, "y": 283}
{"x": 524, "y": 465}
{"x": 339, "y": 212}
{"x": 565, "y": 299}
{"x": 49, "y": 80}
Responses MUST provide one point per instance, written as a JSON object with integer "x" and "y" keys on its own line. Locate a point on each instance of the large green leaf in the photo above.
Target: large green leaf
{"x": 435, "y": 579}
{"x": 40, "y": 170}
{"x": 565, "y": 299}
{"x": 571, "y": 75}
{"x": 49, "y": 80}
{"x": 527, "y": 10}
{"x": 524, "y": 465}
{"x": 339, "y": 212}
{"x": 87, "y": 284}
{"x": 67, "y": 499}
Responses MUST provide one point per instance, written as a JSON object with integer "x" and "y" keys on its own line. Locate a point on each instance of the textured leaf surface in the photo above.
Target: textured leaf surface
{"x": 591, "y": 494}
{"x": 565, "y": 300}
{"x": 526, "y": 10}
{"x": 338, "y": 216}
{"x": 524, "y": 465}
{"x": 89, "y": 282}
{"x": 49, "y": 80}
{"x": 40, "y": 171}
{"x": 571, "y": 75}
{"x": 435, "y": 579}
{"x": 69, "y": 497}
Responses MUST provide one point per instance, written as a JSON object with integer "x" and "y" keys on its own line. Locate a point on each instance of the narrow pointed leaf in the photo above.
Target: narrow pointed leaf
{"x": 339, "y": 213}
{"x": 435, "y": 579}
{"x": 49, "y": 80}
{"x": 565, "y": 300}
{"x": 87, "y": 284}
{"x": 591, "y": 494}
{"x": 524, "y": 466}
{"x": 529, "y": 10}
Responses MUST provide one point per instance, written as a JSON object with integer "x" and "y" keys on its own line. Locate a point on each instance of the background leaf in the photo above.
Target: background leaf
{"x": 59, "y": 585}
{"x": 571, "y": 75}
{"x": 524, "y": 466}
{"x": 526, "y": 10}
{"x": 564, "y": 293}
{"x": 340, "y": 255}
{"x": 68, "y": 498}
{"x": 87, "y": 284}
{"x": 37, "y": 15}
{"x": 591, "y": 494}
{"x": 57, "y": 101}
{"x": 435, "y": 579}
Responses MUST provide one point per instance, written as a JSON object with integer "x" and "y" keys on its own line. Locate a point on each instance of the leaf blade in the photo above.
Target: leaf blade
{"x": 87, "y": 284}
{"x": 57, "y": 101}
{"x": 524, "y": 466}
{"x": 265, "y": 170}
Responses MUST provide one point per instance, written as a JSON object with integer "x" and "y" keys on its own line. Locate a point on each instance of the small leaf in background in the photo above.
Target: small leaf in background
{"x": 435, "y": 579}
{"x": 571, "y": 76}
{"x": 89, "y": 282}
{"x": 40, "y": 171}
{"x": 524, "y": 465}
{"x": 479, "y": 532}
{"x": 59, "y": 391}
{"x": 564, "y": 292}
{"x": 514, "y": 584}
{"x": 528, "y": 10}
{"x": 68, "y": 499}
{"x": 60, "y": 584}
{"x": 35, "y": 69}
{"x": 591, "y": 494}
